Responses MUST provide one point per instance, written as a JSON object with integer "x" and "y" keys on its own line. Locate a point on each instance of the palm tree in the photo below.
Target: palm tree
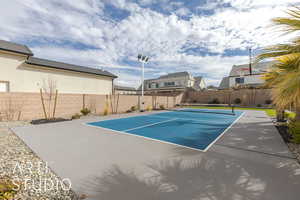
{"x": 284, "y": 76}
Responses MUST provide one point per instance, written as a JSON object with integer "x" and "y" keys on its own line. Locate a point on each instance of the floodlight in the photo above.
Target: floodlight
{"x": 139, "y": 56}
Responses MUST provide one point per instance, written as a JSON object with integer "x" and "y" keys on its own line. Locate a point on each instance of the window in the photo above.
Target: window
{"x": 169, "y": 83}
{"x": 239, "y": 80}
{"x": 4, "y": 86}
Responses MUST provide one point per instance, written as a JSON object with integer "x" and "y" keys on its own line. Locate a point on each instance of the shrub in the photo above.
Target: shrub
{"x": 194, "y": 101}
{"x": 162, "y": 107}
{"x": 85, "y": 111}
{"x": 133, "y": 108}
{"x": 7, "y": 189}
{"x": 258, "y": 105}
{"x": 268, "y": 101}
{"x": 149, "y": 108}
{"x": 294, "y": 130}
{"x": 214, "y": 101}
{"x": 237, "y": 101}
{"x": 105, "y": 112}
{"x": 128, "y": 111}
{"x": 76, "y": 116}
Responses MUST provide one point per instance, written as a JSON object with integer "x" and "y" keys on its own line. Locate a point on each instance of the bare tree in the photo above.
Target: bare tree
{"x": 12, "y": 109}
{"x": 49, "y": 97}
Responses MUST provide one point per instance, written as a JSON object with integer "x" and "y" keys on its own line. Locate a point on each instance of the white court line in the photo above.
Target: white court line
{"x": 184, "y": 118}
{"x": 148, "y": 138}
{"x": 150, "y": 125}
{"x": 128, "y": 115}
{"x": 223, "y": 132}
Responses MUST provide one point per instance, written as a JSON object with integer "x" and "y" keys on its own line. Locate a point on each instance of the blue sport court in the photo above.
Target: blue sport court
{"x": 192, "y": 128}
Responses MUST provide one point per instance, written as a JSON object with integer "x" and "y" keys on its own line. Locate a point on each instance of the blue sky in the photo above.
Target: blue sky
{"x": 203, "y": 37}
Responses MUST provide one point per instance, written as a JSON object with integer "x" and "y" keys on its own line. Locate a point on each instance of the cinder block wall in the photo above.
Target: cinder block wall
{"x": 249, "y": 97}
{"x": 27, "y": 106}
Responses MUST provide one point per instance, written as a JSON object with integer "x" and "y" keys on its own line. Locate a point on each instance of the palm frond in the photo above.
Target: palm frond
{"x": 289, "y": 24}
{"x": 288, "y": 90}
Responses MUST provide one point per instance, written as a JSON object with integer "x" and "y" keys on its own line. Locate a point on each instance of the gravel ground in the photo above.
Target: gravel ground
{"x": 28, "y": 171}
{"x": 295, "y": 148}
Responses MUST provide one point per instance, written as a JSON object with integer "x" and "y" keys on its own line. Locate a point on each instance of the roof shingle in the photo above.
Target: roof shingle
{"x": 66, "y": 66}
{"x": 15, "y": 48}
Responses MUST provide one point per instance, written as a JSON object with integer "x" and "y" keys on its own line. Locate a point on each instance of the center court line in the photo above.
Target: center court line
{"x": 183, "y": 118}
{"x": 150, "y": 125}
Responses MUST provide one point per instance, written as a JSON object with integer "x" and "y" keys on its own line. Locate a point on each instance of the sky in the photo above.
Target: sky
{"x": 203, "y": 37}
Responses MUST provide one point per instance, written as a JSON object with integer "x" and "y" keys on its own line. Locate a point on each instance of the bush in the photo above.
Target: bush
{"x": 128, "y": 111}
{"x": 133, "y": 108}
{"x": 214, "y": 101}
{"x": 105, "y": 112}
{"x": 85, "y": 111}
{"x": 258, "y": 105}
{"x": 268, "y": 101}
{"x": 237, "y": 101}
{"x": 162, "y": 107}
{"x": 294, "y": 130}
{"x": 149, "y": 108}
{"x": 7, "y": 189}
{"x": 76, "y": 116}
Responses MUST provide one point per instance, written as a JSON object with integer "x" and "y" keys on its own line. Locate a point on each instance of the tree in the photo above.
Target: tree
{"x": 284, "y": 75}
{"x": 49, "y": 98}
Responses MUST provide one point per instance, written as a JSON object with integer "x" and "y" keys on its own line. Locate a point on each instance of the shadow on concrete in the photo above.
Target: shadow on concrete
{"x": 211, "y": 176}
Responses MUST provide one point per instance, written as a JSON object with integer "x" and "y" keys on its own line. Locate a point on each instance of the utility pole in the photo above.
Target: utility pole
{"x": 250, "y": 61}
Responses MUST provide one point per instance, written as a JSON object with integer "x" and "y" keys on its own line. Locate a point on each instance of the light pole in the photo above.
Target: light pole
{"x": 143, "y": 60}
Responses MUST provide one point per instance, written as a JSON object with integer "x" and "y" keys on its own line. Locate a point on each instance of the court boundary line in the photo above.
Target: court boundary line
{"x": 165, "y": 142}
{"x": 146, "y": 138}
{"x": 215, "y": 140}
{"x": 141, "y": 115}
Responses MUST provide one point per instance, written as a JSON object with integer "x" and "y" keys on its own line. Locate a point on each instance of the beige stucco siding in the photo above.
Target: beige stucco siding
{"x": 29, "y": 78}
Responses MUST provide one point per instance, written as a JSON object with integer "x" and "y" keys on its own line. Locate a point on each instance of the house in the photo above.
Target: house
{"x": 20, "y": 71}
{"x": 124, "y": 90}
{"x": 240, "y": 75}
{"x": 177, "y": 81}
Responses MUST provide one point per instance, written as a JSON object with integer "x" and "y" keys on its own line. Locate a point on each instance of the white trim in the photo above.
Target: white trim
{"x": 148, "y": 138}
{"x": 213, "y": 142}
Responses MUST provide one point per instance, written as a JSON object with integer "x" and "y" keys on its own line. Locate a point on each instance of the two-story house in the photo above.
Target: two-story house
{"x": 174, "y": 81}
{"x": 244, "y": 75}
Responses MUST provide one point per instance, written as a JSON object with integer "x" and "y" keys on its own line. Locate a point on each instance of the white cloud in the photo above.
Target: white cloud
{"x": 165, "y": 38}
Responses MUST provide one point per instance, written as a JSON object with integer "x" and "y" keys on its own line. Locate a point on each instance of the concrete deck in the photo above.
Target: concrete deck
{"x": 250, "y": 162}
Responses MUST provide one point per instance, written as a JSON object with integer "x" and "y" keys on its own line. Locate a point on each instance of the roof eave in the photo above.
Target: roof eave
{"x": 18, "y": 52}
{"x": 47, "y": 66}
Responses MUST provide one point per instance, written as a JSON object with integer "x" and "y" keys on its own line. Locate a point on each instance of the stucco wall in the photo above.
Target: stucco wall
{"x": 28, "y": 78}
{"x": 27, "y": 106}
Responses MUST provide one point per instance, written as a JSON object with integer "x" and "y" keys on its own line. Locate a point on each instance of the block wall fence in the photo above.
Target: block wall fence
{"x": 249, "y": 97}
{"x": 28, "y": 106}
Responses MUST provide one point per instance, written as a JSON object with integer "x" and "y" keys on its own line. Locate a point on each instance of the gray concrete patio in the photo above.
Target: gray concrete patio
{"x": 250, "y": 161}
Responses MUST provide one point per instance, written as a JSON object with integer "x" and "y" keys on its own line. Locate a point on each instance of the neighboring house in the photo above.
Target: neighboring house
{"x": 174, "y": 81}
{"x": 211, "y": 87}
{"x": 240, "y": 75}
{"x": 124, "y": 90}
{"x": 21, "y": 72}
